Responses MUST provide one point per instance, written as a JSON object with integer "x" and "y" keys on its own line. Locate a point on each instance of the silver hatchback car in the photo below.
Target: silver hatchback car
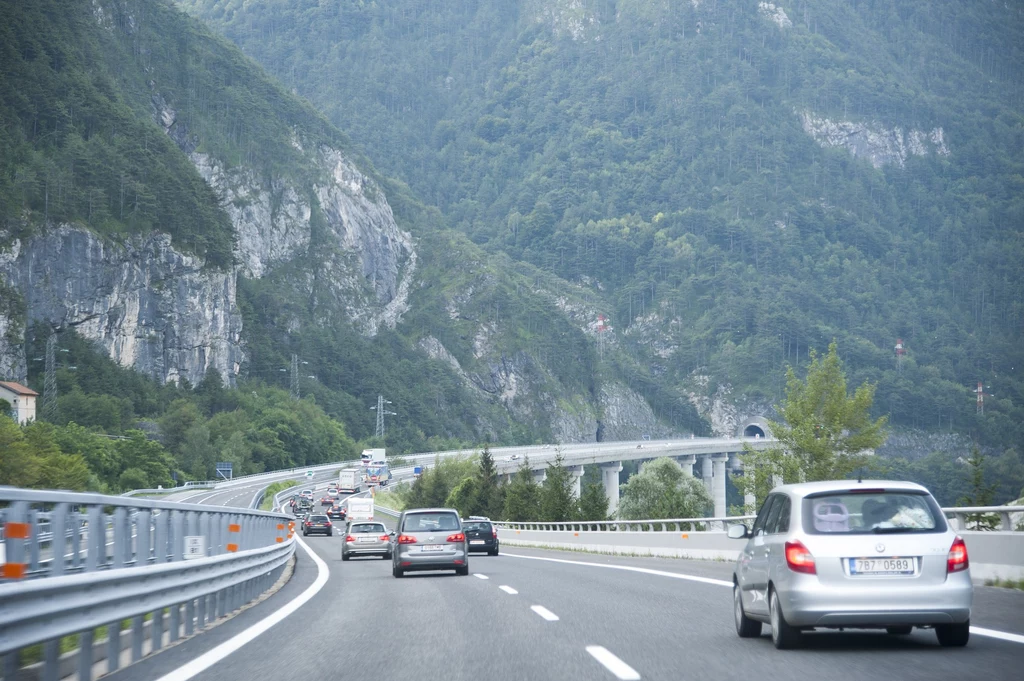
{"x": 851, "y": 554}
{"x": 429, "y": 539}
{"x": 366, "y": 538}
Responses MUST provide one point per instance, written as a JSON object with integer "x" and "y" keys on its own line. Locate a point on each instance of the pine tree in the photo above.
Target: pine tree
{"x": 981, "y": 494}
{"x": 488, "y": 501}
{"x": 558, "y": 501}
{"x": 594, "y": 502}
{"x": 522, "y": 496}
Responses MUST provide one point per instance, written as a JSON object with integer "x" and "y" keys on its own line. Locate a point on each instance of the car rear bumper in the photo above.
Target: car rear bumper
{"x": 488, "y": 545}
{"x": 447, "y": 561}
{"x": 318, "y": 530}
{"x": 806, "y": 602}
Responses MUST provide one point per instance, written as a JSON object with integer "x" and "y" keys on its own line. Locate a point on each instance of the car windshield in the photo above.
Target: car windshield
{"x": 430, "y": 522}
{"x": 474, "y": 526}
{"x": 367, "y": 528}
{"x": 875, "y": 512}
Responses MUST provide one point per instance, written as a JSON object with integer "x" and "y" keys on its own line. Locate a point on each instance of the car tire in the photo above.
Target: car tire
{"x": 397, "y": 572}
{"x": 344, "y": 556}
{"x": 899, "y": 631}
{"x": 784, "y": 636}
{"x": 745, "y": 627}
{"x": 462, "y": 571}
{"x": 953, "y": 635}
{"x": 330, "y": 534}
{"x": 492, "y": 552}
{"x": 387, "y": 556}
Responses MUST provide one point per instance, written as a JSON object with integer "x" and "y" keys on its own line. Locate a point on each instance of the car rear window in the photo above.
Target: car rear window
{"x": 318, "y": 518}
{"x": 473, "y": 526}
{"x": 874, "y": 512}
{"x": 430, "y": 522}
{"x": 367, "y": 528}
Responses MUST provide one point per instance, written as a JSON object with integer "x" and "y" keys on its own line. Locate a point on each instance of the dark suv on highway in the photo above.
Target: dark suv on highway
{"x": 481, "y": 535}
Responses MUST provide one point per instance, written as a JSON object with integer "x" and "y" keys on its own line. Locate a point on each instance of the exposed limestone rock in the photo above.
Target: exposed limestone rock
{"x": 872, "y": 141}
{"x": 775, "y": 14}
{"x": 567, "y": 18}
{"x": 147, "y": 305}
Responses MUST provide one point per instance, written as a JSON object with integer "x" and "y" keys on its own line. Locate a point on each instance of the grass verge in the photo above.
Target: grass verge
{"x": 273, "y": 489}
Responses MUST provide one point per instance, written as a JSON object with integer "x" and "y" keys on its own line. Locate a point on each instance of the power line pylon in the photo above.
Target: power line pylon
{"x": 295, "y": 376}
{"x": 50, "y": 380}
{"x": 381, "y": 413}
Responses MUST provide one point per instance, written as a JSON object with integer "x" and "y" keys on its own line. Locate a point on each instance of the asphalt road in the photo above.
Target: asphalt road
{"x": 364, "y": 623}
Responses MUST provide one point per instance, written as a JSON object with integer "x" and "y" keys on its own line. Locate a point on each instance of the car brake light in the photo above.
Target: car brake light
{"x": 349, "y": 538}
{"x": 799, "y": 559}
{"x": 456, "y": 537}
{"x": 384, "y": 537}
{"x": 328, "y": 523}
{"x": 406, "y": 539}
{"x": 494, "y": 531}
{"x": 957, "y": 561}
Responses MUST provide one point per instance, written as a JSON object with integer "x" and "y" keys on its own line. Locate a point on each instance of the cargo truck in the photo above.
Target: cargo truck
{"x": 348, "y": 481}
{"x": 374, "y": 456}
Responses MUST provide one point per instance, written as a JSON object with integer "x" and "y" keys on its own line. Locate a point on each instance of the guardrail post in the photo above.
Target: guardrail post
{"x": 16, "y": 531}
{"x": 32, "y": 541}
{"x": 94, "y": 538}
{"x": 156, "y": 630}
{"x": 137, "y": 636}
{"x": 122, "y": 539}
{"x": 51, "y": 651}
{"x": 76, "y": 539}
{"x": 177, "y": 536}
{"x": 160, "y": 537}
{"x": 143, "y": 532}
{"x": 1004, "y": 522}
{"x": 85, "y": 640}
{"x": 200, "y": 613}
{"x": 113, "y": 647}
{"x": 58, "y": 545}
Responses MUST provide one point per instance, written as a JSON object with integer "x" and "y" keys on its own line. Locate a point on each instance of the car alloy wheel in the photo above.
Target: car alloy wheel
{"x": 745, "y": 627}
{"x": 783, "y": 635}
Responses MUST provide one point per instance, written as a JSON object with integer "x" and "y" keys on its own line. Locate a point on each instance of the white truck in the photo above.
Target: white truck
{"x": 374, "y": 456}
{"x": 348, "y": 481}
{"x": 359, "y": 508}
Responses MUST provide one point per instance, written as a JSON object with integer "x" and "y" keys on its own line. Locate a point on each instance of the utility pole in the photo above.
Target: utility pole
{"x": 381, "y": 413}
{"x": 50, "y": 379}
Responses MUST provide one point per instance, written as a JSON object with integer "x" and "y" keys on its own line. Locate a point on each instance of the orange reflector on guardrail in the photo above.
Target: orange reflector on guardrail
{"x": 232, "y": 547}
{"x": 280, "y": 526}
{"x": 233, "y": 527}
{"x": 575, "y": 534}
{"x": 280, "y": 539}
{"x": 17, "y": 530}
{"x": 685, "y": 536}
{"x": 12, "y": 570}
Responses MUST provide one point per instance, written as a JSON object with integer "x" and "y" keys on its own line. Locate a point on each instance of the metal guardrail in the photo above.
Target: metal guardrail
{"x": 120, "y": 559}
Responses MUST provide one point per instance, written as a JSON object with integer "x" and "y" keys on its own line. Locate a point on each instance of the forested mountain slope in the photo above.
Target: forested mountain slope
{"x": 734, "y": 182}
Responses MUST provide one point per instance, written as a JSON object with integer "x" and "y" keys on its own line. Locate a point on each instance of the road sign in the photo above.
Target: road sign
{"x": 195, "y": 547}
{"x": 309, "y": 474}
{"x": 225, "y": 469}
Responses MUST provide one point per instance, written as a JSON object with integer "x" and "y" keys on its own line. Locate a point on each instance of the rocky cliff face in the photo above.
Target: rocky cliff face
{"x": 149, "y": 306}
{"x": 873, "y": 141}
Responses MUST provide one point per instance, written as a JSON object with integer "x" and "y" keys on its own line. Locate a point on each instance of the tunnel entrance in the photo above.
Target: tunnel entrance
{"x": 753, "y": 430}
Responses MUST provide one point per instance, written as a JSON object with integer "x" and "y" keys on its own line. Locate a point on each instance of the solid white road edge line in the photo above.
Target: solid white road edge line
{"x": 212, "y": 657}
{"x": 978, "y": 631}
{"x": 544, "y": 612}
{"x": 1001, "y": 635}
{"x": 480, "y": 576}
{"x": 613, "y": 664}
{"x": 509, "y": 590}
{"x": 628, "y": 568}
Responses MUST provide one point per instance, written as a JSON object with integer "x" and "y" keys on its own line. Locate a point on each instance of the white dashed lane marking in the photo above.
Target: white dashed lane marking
{"x": 544, "y": 612}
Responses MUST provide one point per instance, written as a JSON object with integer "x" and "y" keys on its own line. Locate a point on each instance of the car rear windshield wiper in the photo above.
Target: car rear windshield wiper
{"x": 897, "y": 530}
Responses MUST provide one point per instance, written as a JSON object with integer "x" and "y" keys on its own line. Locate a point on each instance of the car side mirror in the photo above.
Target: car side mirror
{"x": 738, "y": 532}
{"x": 391, "y": 533}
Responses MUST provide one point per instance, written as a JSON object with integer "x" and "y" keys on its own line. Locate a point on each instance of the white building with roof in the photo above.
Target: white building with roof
{"x": 21, "y": 399}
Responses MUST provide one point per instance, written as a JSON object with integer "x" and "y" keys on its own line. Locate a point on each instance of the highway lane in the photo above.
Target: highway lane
{"x": 430, "y": 626}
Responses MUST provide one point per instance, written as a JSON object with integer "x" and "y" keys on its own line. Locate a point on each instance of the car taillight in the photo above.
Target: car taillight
{"x": 456, "y": 537}
{"x": 494, "y": 532}
{"x": 328, "y": 523}
{"x": 384, "y": 537}
{"x": 349, "y": 538}
{"x": 799, "y": 559}
{"x": 957, "y": 558}
{"x": 406, "y": 539}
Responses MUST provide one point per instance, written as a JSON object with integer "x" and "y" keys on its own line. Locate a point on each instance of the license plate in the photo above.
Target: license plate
{"x": 367, "y": 540}
{"x": 892, "y": 565}
{"x": 432, "y": 547}
{"x": 476, "y": 541}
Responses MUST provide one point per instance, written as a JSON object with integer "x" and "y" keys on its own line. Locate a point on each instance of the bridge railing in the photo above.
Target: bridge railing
{"x": 82, "y": 564}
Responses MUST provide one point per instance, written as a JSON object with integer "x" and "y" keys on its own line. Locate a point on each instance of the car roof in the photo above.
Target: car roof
{"x": 802, "y": 489}
{"x": 430, "y": 510}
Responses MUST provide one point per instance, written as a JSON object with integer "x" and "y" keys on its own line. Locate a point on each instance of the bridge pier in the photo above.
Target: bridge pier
{"x": 610, "y": 478}
{"x": 686, "y": 461}
{"x": 577, "y": 473}
{"x": 540, "y": 475}
{"x": 705, "y": 474}
{"x": 718, "y": 483}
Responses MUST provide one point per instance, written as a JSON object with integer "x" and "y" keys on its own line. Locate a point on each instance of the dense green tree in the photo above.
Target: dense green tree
{"x": 593, "y": 502}
{"x": 558, "y": 502}
{"x": 824, "y": 433}
{"x": 489, "y": 500}
{"x": 662, "y": 490}
{"x": 981, "y": 493}
{"x": 522, "y": 495}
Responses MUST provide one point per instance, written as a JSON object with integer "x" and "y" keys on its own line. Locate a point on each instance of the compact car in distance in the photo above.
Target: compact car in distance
{"x": 317, "y": 523}
{"x": 336, "y": 511}
{"x": 851, "y": 554}
{"x": 366, "y": 538}
{"x": 429, "y": 539}
{"x": 481, "y": 535}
